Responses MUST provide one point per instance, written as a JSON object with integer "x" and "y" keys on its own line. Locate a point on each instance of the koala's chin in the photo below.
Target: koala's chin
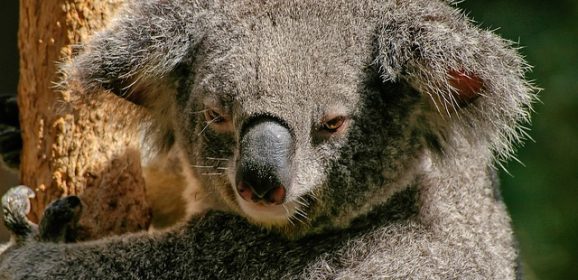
{"x": 269, "y": 215}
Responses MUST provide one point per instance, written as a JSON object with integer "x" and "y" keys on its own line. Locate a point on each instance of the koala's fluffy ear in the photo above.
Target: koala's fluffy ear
{"x": 137, "y": 55}
{"x": 473, "y": 80}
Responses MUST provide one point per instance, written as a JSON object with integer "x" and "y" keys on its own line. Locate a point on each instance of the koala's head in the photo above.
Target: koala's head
{"x": 302, "y": 116}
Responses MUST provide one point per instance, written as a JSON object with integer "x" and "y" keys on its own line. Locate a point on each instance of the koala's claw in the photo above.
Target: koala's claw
{"x": 60, "y": 219}
{"x": 15, "y": 207}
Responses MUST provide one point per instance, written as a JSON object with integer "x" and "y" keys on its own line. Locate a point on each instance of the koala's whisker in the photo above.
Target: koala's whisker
{"x": 202, "y": 166}
{"x": 213, "y": 174}
{"x": 288, "y": 215}
{"x": 302, "y": 203}
{"x": 208, "y": 123}
{"x": 290, "y": 220}
{"x": 297, "y": 219}
{"x": 219, "y": 159}
{"x": 196, "y": 112}
{"x": 300, "y": 213}
{"x": 310, "y": 196}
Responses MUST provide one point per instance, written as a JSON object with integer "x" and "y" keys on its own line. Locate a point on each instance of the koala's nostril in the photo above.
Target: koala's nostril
{"x": 274, "y": 195}
{"x": 245, "y": 191}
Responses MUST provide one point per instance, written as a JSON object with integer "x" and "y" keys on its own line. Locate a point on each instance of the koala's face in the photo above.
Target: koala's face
{"x": 281, "y": 106}
{"x": 289, "y": 122}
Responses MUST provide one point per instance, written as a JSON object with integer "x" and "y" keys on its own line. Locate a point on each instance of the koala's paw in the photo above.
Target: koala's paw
{"x": 15, "y": 207}
{"x": 10, "y": 138}
{"x": 60, "y": 220}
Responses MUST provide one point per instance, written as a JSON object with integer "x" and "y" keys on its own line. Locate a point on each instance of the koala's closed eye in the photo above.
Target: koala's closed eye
{"x": 213, "y": 117}
{"x": 217, "y": 119}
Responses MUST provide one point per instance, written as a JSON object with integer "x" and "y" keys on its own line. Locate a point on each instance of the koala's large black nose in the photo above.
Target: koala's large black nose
{"x": 264, "y": 166}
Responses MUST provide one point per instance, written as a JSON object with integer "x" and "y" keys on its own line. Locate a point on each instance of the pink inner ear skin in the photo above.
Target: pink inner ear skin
{"x": 467, "y": 86}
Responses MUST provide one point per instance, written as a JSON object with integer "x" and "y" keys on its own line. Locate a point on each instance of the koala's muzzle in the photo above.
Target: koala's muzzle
{"x": 264, "y": 165}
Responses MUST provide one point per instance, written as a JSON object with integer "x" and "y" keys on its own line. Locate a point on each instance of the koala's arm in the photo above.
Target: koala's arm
{"x": 448, "y": 234}
{"x": 445, "y": 227}
{"x": 214, "y": 246}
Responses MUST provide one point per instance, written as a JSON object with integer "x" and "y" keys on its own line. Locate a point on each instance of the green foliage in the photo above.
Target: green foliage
{"x": 542, "y": 193}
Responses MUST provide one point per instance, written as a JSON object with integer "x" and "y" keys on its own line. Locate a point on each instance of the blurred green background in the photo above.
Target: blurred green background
{"x": 542, "y": 194}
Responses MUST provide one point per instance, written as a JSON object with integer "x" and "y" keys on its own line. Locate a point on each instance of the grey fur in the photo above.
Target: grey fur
{"x": 15, "y": 207}
{"x": 406, "y": 191}
{"x": 56, "y": 225}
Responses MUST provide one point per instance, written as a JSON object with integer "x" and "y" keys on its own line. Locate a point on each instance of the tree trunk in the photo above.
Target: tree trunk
{"x": 70, "y": 148}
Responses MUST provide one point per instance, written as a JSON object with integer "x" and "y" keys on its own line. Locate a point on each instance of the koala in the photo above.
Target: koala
{"x": 323, "y": 140}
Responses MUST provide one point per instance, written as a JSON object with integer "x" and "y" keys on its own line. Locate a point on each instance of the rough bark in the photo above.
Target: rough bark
{"x": 71, "y": 148}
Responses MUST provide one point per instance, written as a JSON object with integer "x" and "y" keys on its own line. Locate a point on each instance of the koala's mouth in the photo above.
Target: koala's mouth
{"x": 265, "y": 212}
{"x": 268, "y": 214}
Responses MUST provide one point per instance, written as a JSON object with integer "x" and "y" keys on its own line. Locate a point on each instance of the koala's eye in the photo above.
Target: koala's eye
{"x": 212, "y": 116}
{"x": 334, "y": 124}
{"x": 218, "y": 121}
